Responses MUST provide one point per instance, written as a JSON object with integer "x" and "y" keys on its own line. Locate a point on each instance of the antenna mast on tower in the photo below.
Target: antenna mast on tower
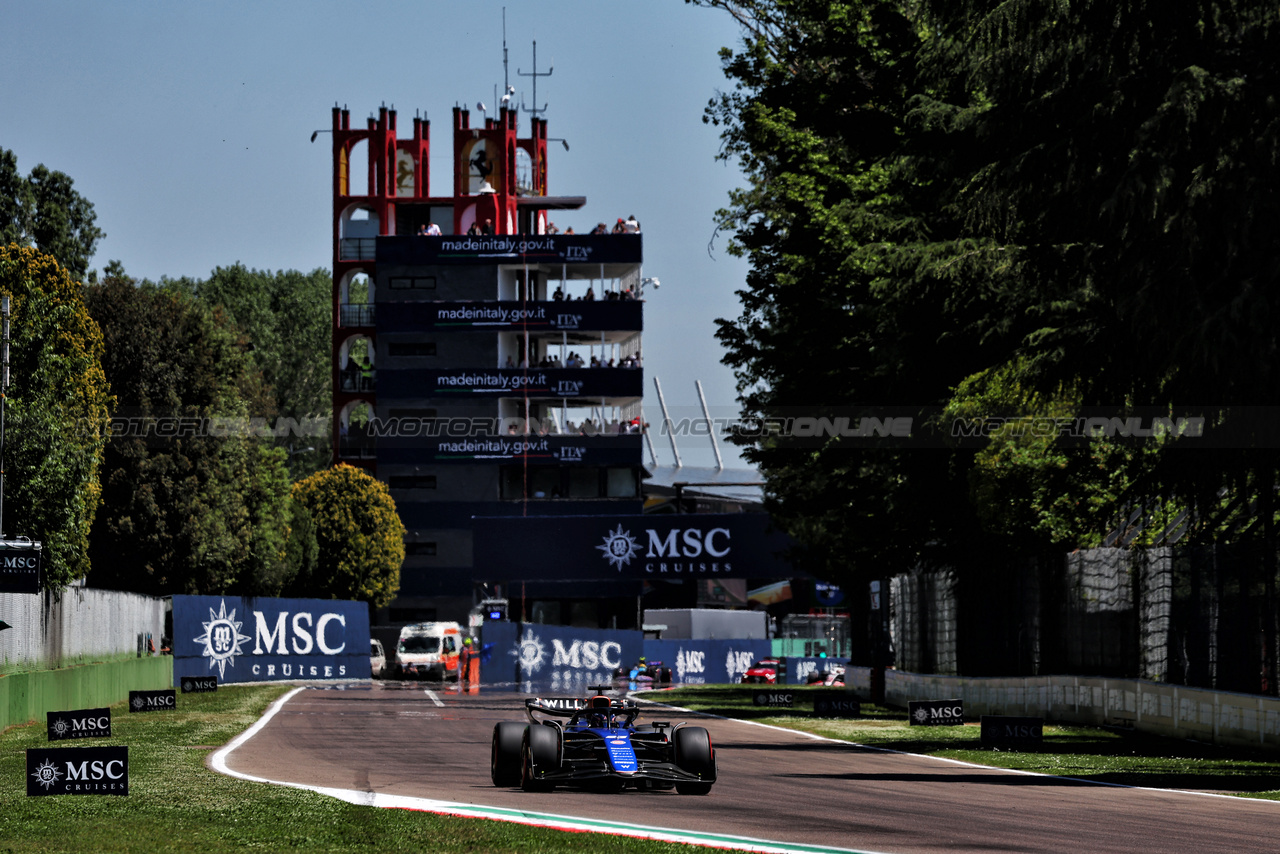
{"x": 535, "y": 75}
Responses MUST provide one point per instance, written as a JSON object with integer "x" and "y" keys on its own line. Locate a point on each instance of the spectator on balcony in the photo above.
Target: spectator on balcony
{"x": 487, "y": 228}
{"x": 474, "y": 230}
{"x": 551, "y": 228}
{"x": 590, "y": 295}
{"x": 620, "y": 227}
{"x": 601, "y": 228}
{"x": 569, "y": 230}
{"x": 632, "y": 225}
{"x": 510, "y": 363}
{"x": 433, "y": 230}
{"x": 558, "y": 296}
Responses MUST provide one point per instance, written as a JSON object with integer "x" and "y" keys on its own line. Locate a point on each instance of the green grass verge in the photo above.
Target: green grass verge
{"x": 1089, "y": 753}
{"x": 177, "y": 805}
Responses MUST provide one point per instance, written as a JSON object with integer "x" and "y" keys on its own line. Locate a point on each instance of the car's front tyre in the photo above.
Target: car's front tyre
{"x": 695, "y": 756}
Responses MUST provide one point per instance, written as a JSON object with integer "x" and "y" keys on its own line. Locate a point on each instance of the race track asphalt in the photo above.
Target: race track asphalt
{"x": 402, "y": 739}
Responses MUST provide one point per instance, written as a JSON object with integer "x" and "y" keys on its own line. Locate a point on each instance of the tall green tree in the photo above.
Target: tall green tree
{"x": 285, "y": 318}
{"x": 195, "y": 501}
{"x": 1124, "y": 158}
{"x": 57, "y": 411}
{"x": 1034, "y": 194}
{"x": 43, "y": 209}
{"x": 816, "y": 119}
{"x": 359, "y": 536}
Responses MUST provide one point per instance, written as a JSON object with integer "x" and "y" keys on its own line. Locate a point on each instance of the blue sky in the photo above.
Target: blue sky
{"x": 188, "y": 124}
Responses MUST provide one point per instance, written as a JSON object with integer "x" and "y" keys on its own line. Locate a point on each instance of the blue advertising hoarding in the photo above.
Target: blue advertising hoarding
{"x": 536, "y": 316}
{"x": 414, "y": 251}
{"x": 266, "y": 640}
{"x": 702, "y": 545}
{"x": 555, "y": 659}
{"x": 511, "y": 382}
{"x": 405, "y": 441}
{"x": 706, "y": 662}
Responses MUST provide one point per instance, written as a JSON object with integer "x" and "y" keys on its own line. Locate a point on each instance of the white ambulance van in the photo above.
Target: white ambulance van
{"x": 428, "y": 651}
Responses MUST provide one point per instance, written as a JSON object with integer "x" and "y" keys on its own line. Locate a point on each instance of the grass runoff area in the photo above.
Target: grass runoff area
{"x": 1088, "y": 753}
{"x": 176, "y": 804}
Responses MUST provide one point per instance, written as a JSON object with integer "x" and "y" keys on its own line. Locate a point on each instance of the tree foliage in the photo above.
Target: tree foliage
{"x": 44, "y": 210}
{"x": 285, "y": 319}
{"x": 1039, "y": 205}
{"x": 57, "y": 411}
{"x": 359, "y": 535}
{"x": 195, "y": 501}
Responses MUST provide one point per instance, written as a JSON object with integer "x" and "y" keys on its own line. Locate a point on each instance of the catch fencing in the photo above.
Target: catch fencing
{"x": 78, "y": 625}
{"x": 1203, "y": 617}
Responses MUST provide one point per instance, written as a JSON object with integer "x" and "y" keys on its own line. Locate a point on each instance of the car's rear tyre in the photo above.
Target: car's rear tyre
{"x": 695, "y": 756}
{"x": 539, "y": 753}
{"x": 504, "y": 761}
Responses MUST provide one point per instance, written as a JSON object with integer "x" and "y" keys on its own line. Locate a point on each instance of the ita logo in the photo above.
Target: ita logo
{"x": 222, "y": 639}
{"x": 619, "y": 547}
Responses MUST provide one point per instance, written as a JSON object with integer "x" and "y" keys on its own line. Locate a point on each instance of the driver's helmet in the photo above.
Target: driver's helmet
{"x": 642, "y": 660}
{"x": 599, "y": 710}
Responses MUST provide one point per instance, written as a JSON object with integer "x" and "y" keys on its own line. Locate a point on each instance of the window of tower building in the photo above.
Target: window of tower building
{"x": 419, "y": 283}
{"x": 412, "y": 481}
{"x": 411, "y": 348}
{"x": 584, "y": 483}
{"x": 621, "y": 483}
{"x": 581, "y": 483}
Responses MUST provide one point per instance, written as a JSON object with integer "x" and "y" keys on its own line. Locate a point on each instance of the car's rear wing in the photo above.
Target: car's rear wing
{"x": 570, "y": 707}
{"x": 560, "y": 707}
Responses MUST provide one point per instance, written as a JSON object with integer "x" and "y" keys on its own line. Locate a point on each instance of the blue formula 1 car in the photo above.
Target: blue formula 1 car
{"x": 595, "y": 743}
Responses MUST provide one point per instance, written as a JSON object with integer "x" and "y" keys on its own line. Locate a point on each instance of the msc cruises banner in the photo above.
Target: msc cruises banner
{"x": 539, "y": 658}
{"x": 616, "y": 315}
{"x": 512, "y": 382}
{"x": 264, "y": 640}
{"x": 512, "y": 248}
{"x": 709, "y": 545}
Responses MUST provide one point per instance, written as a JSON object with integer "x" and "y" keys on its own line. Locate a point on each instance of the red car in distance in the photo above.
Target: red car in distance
{"x": 764, "y": 671}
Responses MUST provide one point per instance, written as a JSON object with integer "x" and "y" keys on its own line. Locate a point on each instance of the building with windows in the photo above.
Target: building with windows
{"x": 481, "y": 366}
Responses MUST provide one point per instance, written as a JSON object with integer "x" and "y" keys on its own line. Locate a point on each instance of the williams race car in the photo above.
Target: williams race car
{"x": 598, "y": 745}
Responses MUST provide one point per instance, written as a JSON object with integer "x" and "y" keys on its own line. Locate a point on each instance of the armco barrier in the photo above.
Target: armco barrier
{"x": 1175, "y": 711}
{"x": 29, "y": 696}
